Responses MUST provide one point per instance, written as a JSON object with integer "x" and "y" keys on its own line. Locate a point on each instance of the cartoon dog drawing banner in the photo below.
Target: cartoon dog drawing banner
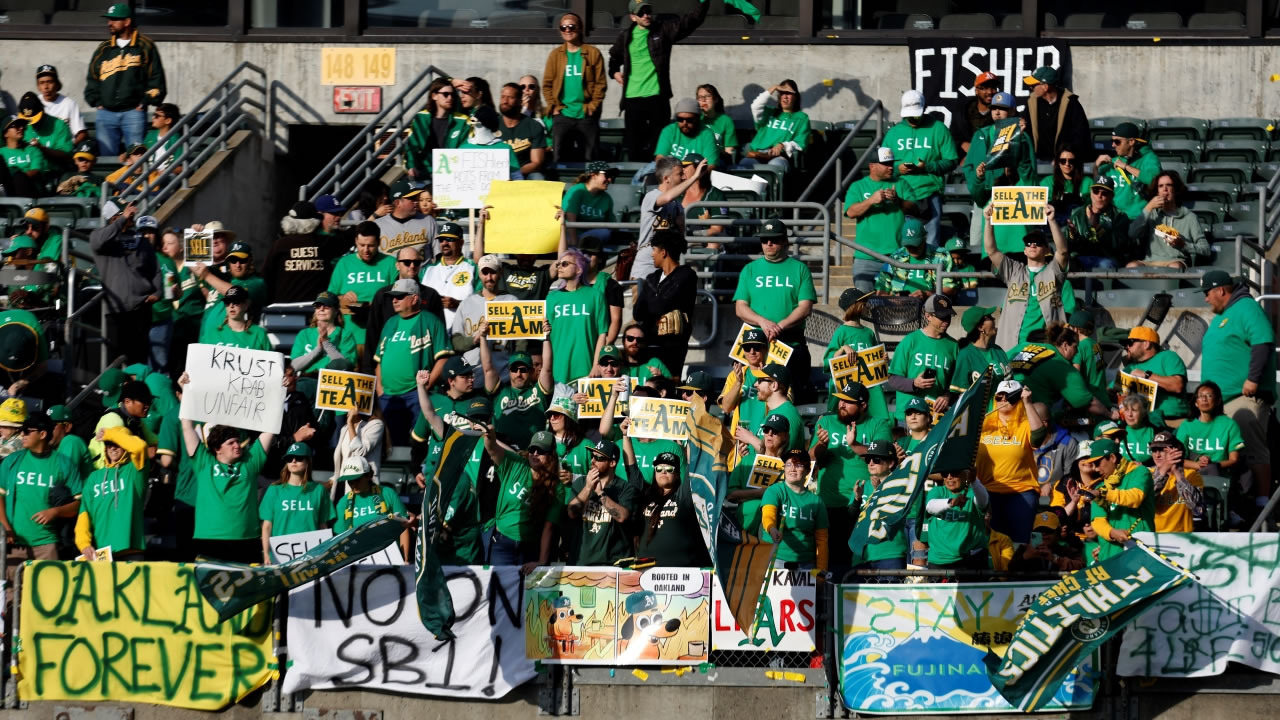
{"x": 608, "y": 616}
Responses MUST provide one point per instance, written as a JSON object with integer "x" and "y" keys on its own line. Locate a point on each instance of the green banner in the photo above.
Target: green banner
{"x": 1075, "y": 616}
{"x": 232, "y": 587}
{"x": 435, "y": 604}
{"x": 952, "y": 444}
{"x": 1007, "y": 132}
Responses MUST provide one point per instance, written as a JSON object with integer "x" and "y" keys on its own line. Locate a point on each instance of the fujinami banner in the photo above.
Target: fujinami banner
{"x": 234, "y": 386}
{"x": 359, "y": 628}
{"x": 786, "y": 620}
{"x": 944, "y": 70}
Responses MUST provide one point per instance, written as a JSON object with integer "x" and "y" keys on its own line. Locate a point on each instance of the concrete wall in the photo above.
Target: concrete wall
{"x": 239, "y": 192}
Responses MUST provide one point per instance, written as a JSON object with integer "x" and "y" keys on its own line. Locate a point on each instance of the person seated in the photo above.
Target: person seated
{"x": 1049, "y": 548}
{"x": 26, "y": 165}
{"x": 49, "y": 134}
{"x": 1170, "y": 232}
{"x": 688, "y": 135}
{"x": 921, "y": 282}
{"x": 125, "y": 174}
{"x": 1096, "y": 231}
{"x": 1213, "y": 441}
{"x": 782, "y": 130}
{"x": 82, "y": 181}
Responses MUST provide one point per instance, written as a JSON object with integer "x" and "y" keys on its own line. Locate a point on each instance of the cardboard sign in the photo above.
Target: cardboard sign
{"x": 285, "y": 548}
{"x": 197, "y": 247}
{"x": 345, "y": 391}
{"x": 786, "y": 621}
{"x": 102, "y": 554}
{"x": 460, "y": 178}
{"x": 522, "y": 217}
{"x": 515, "y": 320}
{"x": 1018, "y": 205}
{"x": 234, "y": 387}
{"x": 660, "y": 419}
{"x": 779, "y": 352}
{"x": 1133, "y": 384}
{"x": 598, "y": 392}
{"x": 765, "y": 472}
{"x": 869, "y": 367}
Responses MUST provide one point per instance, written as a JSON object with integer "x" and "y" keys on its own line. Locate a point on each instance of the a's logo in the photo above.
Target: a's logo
{"x": 1089, "y": 629}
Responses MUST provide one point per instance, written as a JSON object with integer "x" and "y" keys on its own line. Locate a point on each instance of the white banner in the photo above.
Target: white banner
{"x": 233, "y": 386}
{"x": 1231, "y": 614}
{"x": 288, "y": 547}
{"x": 787, "y": 622}
{"x": 460, "y": 178}
{"x": 359, "y": 628}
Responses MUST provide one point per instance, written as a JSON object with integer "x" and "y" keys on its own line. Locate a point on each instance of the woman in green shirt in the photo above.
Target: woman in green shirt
{"x": 1138, "y": 430}
{"x": 1213, "y": 440}
{"x": 720, "y": 124}
{"x": 891, "y": 554}
{"x": 294, "y": 503}
{"x": 579, "y": 319}
{"x": 782, "y": 131}
{"x": 367, "y": 501}
{"x": 1068, "y": 189}
{"x": 112, "y": 499}
{"x": 237, "y": 330}
{"x": 26, "y": 164}
{"x": 325, "y": 339}
{"x": 529, "y": 505}
{"x": 796, "y": 519}
{"x": 775, "y": 436}
{"x": 957, "y": 527}
{"x": 978, "y": 350}
{"x": 588, "y": 201}
{"x": 849, "y": 339}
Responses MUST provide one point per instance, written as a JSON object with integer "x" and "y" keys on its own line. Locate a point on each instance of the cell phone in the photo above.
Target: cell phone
{"x": 929, "y": 374}
{"x": 1037, "y": 539}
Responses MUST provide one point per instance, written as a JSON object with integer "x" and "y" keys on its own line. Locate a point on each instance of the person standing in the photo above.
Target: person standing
{"x": 976, "y": 113}
{"x": 125, "y": 75}
{"x": 923, "y": 362}
{"x": 926, "y": 154}
{"x": 1035, "y": 279}
{"x": 404, "y": 226}
{"x": 408, "y": 264}
{"x": 1055, "y": 115}
{"x": 111, "y": 508}
{"x": 1123, "y": 503}
{"x": 438, "y": 126}
{"x": 876, "y": 202}
{"x": 1006, "y": 458}
{"x": 32, "y": 479}
{"x": 957, "y": 526}
{"x": 58, "y": 105}
{"x": 131, "y": 278}
{"x": 640, "y": 61}
{"x": 413, "y": 340}
{"x": 573, "y": 89}
{"x": 358, "y": 276}
{"x": 579, "y": 319}
{"x": 775, "y": 293}
{"x": 664, "y": 300}
{"x": 661, "y": 209}
{"x": 603, "y": 503}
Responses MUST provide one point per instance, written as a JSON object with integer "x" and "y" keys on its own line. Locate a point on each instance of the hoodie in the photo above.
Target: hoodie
{"x": 127, "y": 265}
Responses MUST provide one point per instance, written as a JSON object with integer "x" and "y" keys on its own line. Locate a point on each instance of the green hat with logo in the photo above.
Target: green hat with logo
{"x": 607, "y": 449}
{"x": 480, "y": 409}
{"x": 1043, "y": 74}
{"x": 404, "y": 189}
{"x": 643, "y": 600}
{"x": 299, "y": 450}
{"x": 110, "y": 383}
{"x": 773, "y": 227}
{"x": 919, "y": 405}
{"x": 957, "y": 244}
{"x": 449, "y": 231}
{"x": 610, "y": 351}
{"x": 880, "y": 449}
{"x": 457, "y": 366}
{"x": 777, "y": 423}
{"x": 912, "y": 233}
{"x": 972, "y": 317}
{"x": 118, "y": 11}
{"x": 698, "y": 380}
{"x": 520, "y": 359}
{"x": 21, "y": 242}
{"x": 59, "y": 413}
{"x": 755, "y": 336}
{"x": 543, "y": 440}
{"x": 1107, "y": 428}
{"x": 1215, "y": 279}
{"x": 779, "y": 373}
{"x": 1103, "y": 447}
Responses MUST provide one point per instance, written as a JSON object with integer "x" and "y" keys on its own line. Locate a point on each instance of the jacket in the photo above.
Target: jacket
{"x": 594, "y": 81}
{"x": 1195, "y": 247}
{"x": 127, "y": 265}
{"x": 663, "y": 33}
{"x": 122, "y": 78}
{"x": 422, "y": 141}
{"x": 1070, "y": 125}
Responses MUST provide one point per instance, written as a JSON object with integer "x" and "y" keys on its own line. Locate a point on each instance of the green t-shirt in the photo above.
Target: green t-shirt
{"x": 296, "y": 508}
{"x": 1089, "y": 358}
{"x": 776, "y": 126}
{"x": 528, "y": 135}
{"x": 513, "y": 515}
{"x": 722, "y": 127}
{"x": 800, "y": 515}
{"x": 1049, "y": 376}
{"x": 50, "y": 132}
{"x": 916, "y": 352}
{"x": 251, "y": 338}
{"x": 191, "y": 302}
{"x": 653, "y": 367}
{"x": 1167, "y": 362}
{"x": 1217, "y": 438}
{"x": 972, "y": 361}
{"x": 24, "y": 159}
{"x": 643, "y": 80}
{"x": 1227, "y": 345}
{"x": 1033, "y": 317}
{"x": 227, "y": 495}
{"x": 305, "y": 341}
{"x": 26, "y": 479}
{"x": 113, "y": 499}
{"x": 571, "y": 89}
{"x": 859, "y": 338}
{"x": 351, "y": 274}
{"x": 604, "y": 540}
{"x": 356, "y": 509}
{"x": 215, "y": 312}
{"x": 673, "y": 143}
{"x": 578, "y": 318}
{"x": 929, "y": 147}
{"x": 171, "y": 442}
{"x": 774, "y": 289}
{"x": 959, "y": 531}
{"x": 576, "y": 459}
{"x": 162, "y": 311}
{"x": 843, "y": 469}
{"x": 1130, "y": 520}
{"x": 588, "y": 205}
{"x": 519, "y": 413}
{"x": 74, "y": 449}
{"x": 880, "y": 227}
{"x": 407, "y": 346}
{"x": 1137, "y": 443}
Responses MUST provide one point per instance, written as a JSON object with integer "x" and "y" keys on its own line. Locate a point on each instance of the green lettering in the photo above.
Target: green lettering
{"x": 119, "y": 587}
{"x": 883, "y": 602}
{"x": 171, "y": 684}
{"x": 40, "y": 593}
{"x": 191, "y": 600}
{"x": 443, "y": 166}
{"x": 977, "y": 609}
{"x": 41, "y": 664}
{"x": 66, "y": 665}
{"x": 109, "y": 657}
{"x": 140, "y": 667}
{"x": 84, "y": 576}
{"x": 146, "y": 600}
{"x": 242, "y": 674}
{"x": 199, "y": 671}
{"x": 1019, "y": 205}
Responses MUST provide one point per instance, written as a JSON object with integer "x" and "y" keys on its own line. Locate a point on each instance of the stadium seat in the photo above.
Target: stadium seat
{"x": 1013, "y": 21}
{"x": 1250, "y": 151}
{"x": 1209, "y": 213}
{"x": 1187, "y": 151}
{"x": 1217, "y": 192}
{"x": 23, "y": 17}
{"x": 957, "y": 192}
{"x": 1216, "y": 493}
{"x": 726, "y": 22}
{"x": 1083, "y": 21}
{"x": 1183, "y": 169}
{"x": 1241, "y": 129}
{"x": 1154, "y": 21}
{"x": 1265, "y": 171}
{"x": 519, "y": 19}
{"x": 1228, "y": 230}
{"x": 967, "y": 21}
{"x": 1244, "y": 211}
{"x": 602, "y": 20}
{"x": 1216, "y": 21}
{"x": 1251, "y": 191}
{"x": 1227, "y": 172}
{"x": 626, "y": 199}
{"x": 1177, "y": 128}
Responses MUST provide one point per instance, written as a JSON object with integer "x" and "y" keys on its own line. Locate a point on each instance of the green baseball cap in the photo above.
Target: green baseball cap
{"x": 137, "y": 370}
{"x": 480, "y": 409}
{"x": 19, "y": 346}
{"x": 1102, "y": 447}
{"x": 1043, "y": 74}
{"x": 755, "y": 336}
{"x": 119, "y": 11}
{"x": 698, "y": 380}
{"x": 912, "y": 233}
{"x": 1080, "y": 318}
{"x": 972, "y": 317}
{"x": 59, "y": 413}
{"x": 880, "y": 449}
{"x": 777, "y": 423}
{"x": 543, "y": 440}
{"x": 21, "y": 242}
{"x": 449, "y": 230}
{"x": 457, "y": 366}
{"x": 919, "y": 405}
{"x": 1215, "y": 279}
{"x": 563, "y": 405}
{"x": 1106, "y": 428}
{"x": 404, "y": 189}
{"x": 298, "y": 449}
{"x": 520, "y": 359}
{"x": 110, "y": 383}
{"x": 957, "y": 245}
{"x": 610, "y": 351}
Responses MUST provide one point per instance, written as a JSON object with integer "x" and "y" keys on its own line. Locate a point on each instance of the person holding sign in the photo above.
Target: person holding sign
{"x": 1123, "y": 503}
{"x": 438, "y": 126}
{"x": 486, "y": 134}
{"x": 923, "y": 363}
{"x": 744, "y": 490}
{"x": 519, "y": 405}
{"x": 1132, "y": 168}
{"x": 881, "y": 457}
{"x": 579, "y": 319}
{"x": 367, "y": 501}
{"x": 240, "y": 273}
{"x": 1173, "y": 233}
{"x": 294, "y": 503}
{"x": 603, "y": 503}
{"x": 1000, "y": 155}
{"x": 358, "y": 275}
{"x": 237, "y": 330}
{"x": 775, "y": 293}
{"x": 111, "y": 508}
{"x": 1144, "y": 359}
{"x": 669, "y": 532}
{"x": 325, "y": 339}
{"x": 411, "y": 341}
{"x": 529, "y": 503}
{"x": 1006, "y": 458}
{"x": 1034, "y": 299}
{"x": 795, "y": 519}
{"x": 1213, "y": 439}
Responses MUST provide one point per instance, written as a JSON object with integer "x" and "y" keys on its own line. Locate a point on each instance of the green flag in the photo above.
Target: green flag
{"x": 745, "y": 8}
{"x": 1007, "y": 132}
{"x": 232, "y": 587}
{"x": 952, "y": 444}
{"x": 435, "y": 604}
{"x": 1075, "y": 616}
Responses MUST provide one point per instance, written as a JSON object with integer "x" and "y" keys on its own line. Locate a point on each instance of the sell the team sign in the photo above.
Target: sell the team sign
{"x": 779, "y": 352}
{"x": 598, "y": 391}
{"x": 197, "y": 247}
{"x": 234, "y": 386}
{"x": 345, "y": 391}
{"x": 1134, "y": 384}
{"x": 869, "y": 367}
{"x": 660, "y": 419}
{"x": 1018, "y": 205}
{"x": 515, "y": 320}
{"x": 286, "y": 548}
{"x": 765, "y": 472}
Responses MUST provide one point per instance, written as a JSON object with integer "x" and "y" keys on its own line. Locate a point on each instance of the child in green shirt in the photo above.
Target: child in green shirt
{"x": 366, "y": 500}
{"x": 794, "y": 518}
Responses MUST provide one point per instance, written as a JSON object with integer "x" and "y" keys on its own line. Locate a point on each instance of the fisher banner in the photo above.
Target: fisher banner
{"x": 659, "y": 419}
{"x": 952, "y": 444}
{"x": 345, "y": 391}
{"x": 598, "y": 392}
{"x": 231, "y": 587}
{"x": 764, "y": 472}
{"x": 779, "y": 352}
{"x": 1019, "y": 205}
{"x": 946, "y": 69}
{"x": 1133, "y": 384}
{"x": 135, "y": 633}
{"x": 869, "y": 367}
{"x": 1079, "y": 613}
{"x": 515, "y": 320}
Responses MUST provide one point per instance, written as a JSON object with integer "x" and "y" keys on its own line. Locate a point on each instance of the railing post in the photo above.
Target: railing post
{"x": 102, "y": 350}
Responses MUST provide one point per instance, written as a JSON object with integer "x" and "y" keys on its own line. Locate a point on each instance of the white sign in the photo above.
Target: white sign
{"x": 359, "y": 628}
{"x": 788, "y": 620}
{"x": 288, "y": 547}
{"x": 235, "y": 387}
{"x": 460, "y": 178}
{"x": 1230, "y": 614}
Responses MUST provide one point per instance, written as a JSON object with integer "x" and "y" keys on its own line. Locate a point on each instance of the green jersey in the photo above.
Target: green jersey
{"x": 305, "y": 341}
{"x": 74, "y": 449}
{"x": 879, "y": 228}
{"x": 113, "y": 499}
{"x": 356, "y": 509}
{"x": 604, "y": 539}
{"x": 917, "y": 275}
{"x": 518, "y": 414}
{"x": 1049, "y": 376}
{"x": 653, "y": 367}
{"x": 776, "y": 126}
{"x": 722, "y": 127}
{"x": 972, "y": 361}
{"x": 407, "y": 346}
{"x": 859, "y": 337}
{"x": 773, "y": 290}
{"x": 643, "y": 78}
{"x": 959, "y": 531}
{"x": 674, "y": 143}
{"x": 842, "y": 469}
{"x": 571, "y": 87}
{"x": 1165, "y": 362}
{"x": 351, "y": 274}
{"x": 24, "y": 159}
{"x": 1091, "y": 366}
{"x": 893, "y": 547}
{"x": 215, "y": 312}
{"x": 162, "y": 312}
{"x": 252, "y": 337}
{"x": 587, "y": 205}
{"x": 1217, "y": 438}
{"x": 26, "y": 479}
{"x": 916, "y": 353}
{"x": 800, "y": 515}
{"x": 227, "y": 494}
{"x": 930, "y": 147}
{"x": 514, "y": 516}
{"x": 1227, "y": 346}
{"x": 296, "y": 508}
{"x": 50, "y": 132}
{"x": 578, "y": 318}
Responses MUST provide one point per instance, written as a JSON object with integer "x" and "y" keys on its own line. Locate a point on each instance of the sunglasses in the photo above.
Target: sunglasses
{"x": 770, "y": 431}
{"x": 1001, "y": 396}
{"x": 527, "y": 87}
{"x": 488, "y": 271}
{"x": 537, "y": 451}
{"x": 633, "y": 338}
{"x": 237, "y": 261}
{"x": 1117, "y": 141}
{"x": 521, "y": 370}
{"x": 752, "y": 349}
{"x": 1066, "y": 161}
{"x": 565, "y": 263}
{"x": 664, "y": 468}
{"x": 1099, "y": 191}
{"x": 770, "y": 241}
{"x": 877, "y": 461}
{"x": 443, "y": 92}
{"x": 29, "y": 430}
{"x": 645, "y": 12}
{"x": 566, "y": 28}
{"x": 786, "y": 92}
{"x": 608, "y": 362}
{"x": 295, "y": 458}
{"x": 409, "y": 262}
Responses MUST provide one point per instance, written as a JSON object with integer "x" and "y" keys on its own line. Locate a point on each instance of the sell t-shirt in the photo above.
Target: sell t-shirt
{"x": 578, "y": 318}
{"x": 774, "y": 289}
{"x": 351, "y": 274}
{"x": 341, "y": 337}
{"x": 1006, "y": 459}
{"x": 958, "y": 532}
{"x": 407, "y": 346}
{"x": 251, "y": 338}
{"x": 880, "y": 227}
{"x": 571, "y": 88}
{"x": 1217, "y": 438}
{"x": 24, "y": 159}
{"x": 643, "y": 79}
{"x": 296, "y": 508}
{"x": 113, "y": 499}
{"x": 226, "y": 495}
{"x": 514, "y": 516}
{"x": 1136, "y": 445}
{"x": 356, "y": 509}
{"x": 913, "y": 355}
{"x": 800, "y": 515}
{"x": 26, "y": 479}
{"x": 587, "y": 205}
{"x": 844, "y": 469}
{"x": 674, "y": 143}
{"x": 776, "y": 126}
{"x": 1167, "y": 362}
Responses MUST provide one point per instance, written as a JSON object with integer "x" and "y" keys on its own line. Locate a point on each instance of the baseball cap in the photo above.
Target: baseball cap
{"x": 1048, "y": 520}
{"x": 38, "y": 421}
{"x": 490, "y": 262}
{"x": 137, "y": 371}
{"x": 404, "y": 189}
{"x": 1004, "y": 100}
{"x": 235, "y": 295}
{"x": 637, "y": 5}
{"x": 688, "y": 106}
{"x": 37, "y": 216}
{"x": 754, "y": 336}
{"x": 852, "y": 392}
{"x": 137, "y": 149}
{"x": 1126, "y": 130}
{"x": 643, "y": 600}
{"x": 880, "y": 449}
{"x": 956, "y": 244}
{"x": 1143, "y": 332}
{"x": 13, "y": 412}
{"x": 1165, "y": 439}
{"x": 853, "y": 295}
{"x": 1215, "y": 279}
{"x": 1080, "y": 318}
{"x": 912, "y": 232}
{"x": 778, "y": 373}
{"x": 20, "y": 242}
{"x": 608, "y": 449}
{"x": 543, "y": 440}
{"x": 31, "y": 107}
{"x": 304, "y": 210}
{"x": 404, "y": 287}
{"x": 327, "y": 299}
{"x": 972, "y": 317}
{"x": 667, "y": 458}
{"x": 1102, "y": 447}
{"x": 449, "y": 230}
{"x": 1011, "y": 387}
{"x": 1106, "y": 182}
{"x": 773, "y": 227}
{"x": 1035, "y": 238}
{"x": 119, "y": 11}
{"x": 1106, "y": 428}
{"x": 147, "y": 222}
{"x": 939, "y": 305}
{"x": 87, "y": 150}
{"x": 136, "y": 390}
{"x": 457, "y": 366}
{"x": 697, "y": 380}
{"x": 884, "y": 156}
{"x": 796, "y": 454}
{"x": 610, "y": 351}
{"x": 109, "y": 383}
{"x": 919, "y": 405}
{"x": 58, "y": 413}
{"x": 15, "y": 121}
{"x": 600, "y": 166}
{"x": 520, "y": 359}
{"x": 329, "y": 204}
{"x": 18, "y": 346}
{"x": 487, "y": 118}
{"x": 47, "y": 71}
{"x": 985, "y": 78}
{"x": 301, "y": 450}
{"x": 353, "y": 468}
{"x": 692, "y": 159}
{"x": 1043, "y": 74}
{"x": 776, "y": 422}
{"x": 239, "y": 249}
{"x": 912, "y": 103}
{"x": 480, "y": 408}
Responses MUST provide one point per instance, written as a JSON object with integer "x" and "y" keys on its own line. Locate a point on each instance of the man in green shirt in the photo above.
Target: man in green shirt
{"x": 924, "y": 360}
{"x": 27, "y": 167}
{"x": 1132, "y": 168}
{"x": 1145, "y": 359}
{"x": 111, "y": 508}
{"x": 413, "y": 340}
{"x": 925, "y": 153}
{"x": 688, "y": 136}
{"x": 877, "y": 202}
{"x": 603, "y": 502}
{"x": 1088, "y": 359}
{"x": 40, "y": 488}
{"x": 44, "y": 131}
{"x": 66, "y": 442}
{"x": 1124, "y": 502}
{"x": 357, "y": 276}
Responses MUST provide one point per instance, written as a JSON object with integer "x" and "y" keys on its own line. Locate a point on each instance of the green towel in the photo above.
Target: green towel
{"x": 745, "y": 8}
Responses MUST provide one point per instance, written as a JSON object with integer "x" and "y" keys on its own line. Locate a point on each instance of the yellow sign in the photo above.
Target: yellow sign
{"x": 869, "y": 367}
{"x": 345, "y": 391}
{"x": 598, "y": 391}
{"x": 358, "y": 66}
{"x": 136, "y": 633}
{"x": 660, "y": 419}
{"x": 1018, "y": 205}
{"x": 516, "y": 319}
{"x": 522, "y": 219}
{"x": 779, "y": 352}
{"x": 197, "y": 247}
{"x": 765, "y": 472}
{"x": 1133, "y": 384}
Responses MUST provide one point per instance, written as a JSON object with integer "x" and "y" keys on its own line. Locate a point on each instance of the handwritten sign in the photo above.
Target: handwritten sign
{"x": 285, "y": 548}
{"x": 598, "y": 392}
{"x": 522, "y": 218}
{"x": 344, "y": 391}
{"x": 660, "y": 419}
{"x": 779, "y": 352}
{"x": 1018, "y": 205}
{"x": 869, "y": 367}
{"x": 460, "y": 178}
{"x": 1133, "y": 384}
{"x": 515, "y": 320}
{"x": 197, "y": 247}
{"x": 235, "y": 387}
{"x": 786, "y": 620}
{"x": 765, "y": 472}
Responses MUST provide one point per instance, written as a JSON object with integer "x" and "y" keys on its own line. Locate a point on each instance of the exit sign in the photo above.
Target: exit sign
{"x": 353, "y": 99}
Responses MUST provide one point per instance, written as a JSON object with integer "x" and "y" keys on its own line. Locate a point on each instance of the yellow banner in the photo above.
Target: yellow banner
{"x": 765, "y": 472}
{"x": 516, "y": 319}
{"x": 345, "y": 392}
{"x": 522, "y": 219}
{"x": 135, "y": 632}
{"x": 660, "y": 419}
{"x": 1133, "y": 384}
{"x": 869, "y": 367}
{"x": 598, "y": 391}
{"x": 779, "y": 352}
{"x": 1018, "y": 205}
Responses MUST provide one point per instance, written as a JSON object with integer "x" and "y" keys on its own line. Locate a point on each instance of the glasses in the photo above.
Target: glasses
{"x": 786, "y": 92}
{"x": 755, "y": 349}
{"x": 443, "y": 92}
{"x": 1100, "y": 191}
{"x": 159, "y": 115}
{"x": 770, "y": 241}
{"x": 528, "y": 87}
{"x": 684, "y": 120}
{"x": 566, "y": 28}
{"x": 1117, "y": 141}
{"x": 537, "y": 451}
{"x": 1001, "y": 396}
{"x": 237, "y": 261}
{"x": 409, "y": 262}
{"x": 295, "y": 459}
{"x": 608, "y": 362}
{"x": 633, "y": 338}
{"x": 664, "y": 468}
{"x": 1066, "y": 161}
{"x": 29, "y": 430}
{"x": 877, "y": 461}
{"x": 770, "y": 431}
{"x": 522, "y": 370}
{"x": 705, "y": 96}
{"x": 645, "y": 12}
{"x": 565, "y": 263}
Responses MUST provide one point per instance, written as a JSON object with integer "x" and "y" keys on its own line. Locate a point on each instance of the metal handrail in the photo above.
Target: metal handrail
{"x": 882, "y": 114}
{"x": 358, "y": 161}
{"x": 93, "y": 384}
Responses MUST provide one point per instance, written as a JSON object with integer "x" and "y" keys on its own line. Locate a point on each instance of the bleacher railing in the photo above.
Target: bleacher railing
{"x": 364, "y": 157}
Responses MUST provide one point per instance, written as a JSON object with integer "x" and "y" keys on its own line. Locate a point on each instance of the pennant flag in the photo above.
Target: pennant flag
{"x": 750, "y": 11}
{"x": 1070, "y": 619}
{"x": 741, "y": 562}
{"x": 435, "y": 604}
{"x": 952, "y": 444}
{"x": 1007, "y": 133}
{"x": 232, "y": 587}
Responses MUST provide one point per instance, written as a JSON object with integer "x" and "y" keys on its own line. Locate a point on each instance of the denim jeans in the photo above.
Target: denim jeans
{"x": 933, "y": 220}
{"x": 118, "y": 130}
{"x": 161, "y": 335}
{"x": 865, "y": 271}
{"x": 1091, "y": 263}
{"x": 399, "y": 413}
{"x": 502, "y": 550}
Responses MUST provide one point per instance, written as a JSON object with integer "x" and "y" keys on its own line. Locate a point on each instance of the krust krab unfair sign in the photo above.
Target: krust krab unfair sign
{"x": 234, "y": 386}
